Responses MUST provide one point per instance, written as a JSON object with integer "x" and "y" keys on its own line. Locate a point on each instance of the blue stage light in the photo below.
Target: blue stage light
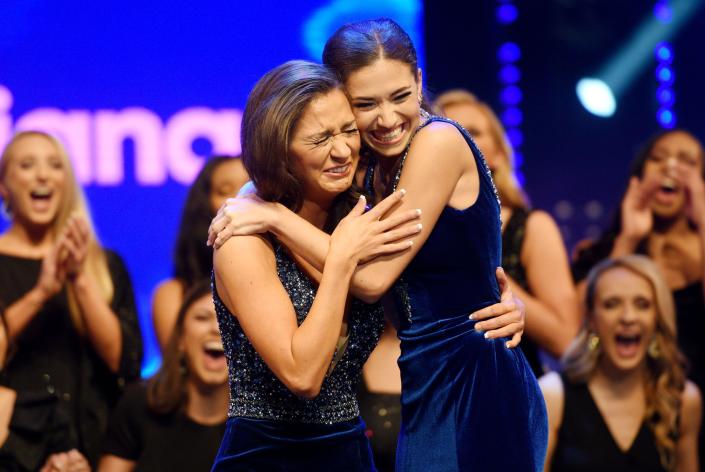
{"x": 663, "y": 12}
{"x": 665, "y": 96}
{"x": 664, "y": 53}
{"x": 516, "y": 137}
{"x": 509, "y": 74}
{"x": 512, "y": 116}
{"x": 509, "y": 52}
{"x": 664, "y": 74}
{"x": 507, "y": 13}
{"x": 510, "y": 95}
{"x": 666, "y": 118}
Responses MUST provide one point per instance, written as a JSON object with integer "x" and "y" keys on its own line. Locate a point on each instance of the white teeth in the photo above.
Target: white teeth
{"x": 339, "y": 169}
{"x": 390, "y": 135}
{"x": 41, "y": 192}
{"x": 669, "y": 184}
{"x": 214, "y": 346}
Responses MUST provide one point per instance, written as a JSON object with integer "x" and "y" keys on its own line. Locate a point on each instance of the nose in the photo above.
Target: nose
{"x": 386, "y": 117}
{"x": 341, "y": 149}
{"x": 42, "y": 171}
{"x": 629, "y": 314}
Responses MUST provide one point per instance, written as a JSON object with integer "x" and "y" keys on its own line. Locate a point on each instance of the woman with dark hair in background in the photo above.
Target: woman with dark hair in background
{"x": 662, "y": 215}
{"x": 623, "y": 402}
{"x": 468, "y": 402}
{"x": 176, "y": 420}
{"x": 533, "y": 253}
{"x": 220, "y": 178}
{"x": 70, "y": 312}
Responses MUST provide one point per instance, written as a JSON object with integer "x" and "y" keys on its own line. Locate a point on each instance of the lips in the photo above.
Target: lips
{"x": 41, "y": 199}
{"x": 668, "y": 192}
{"x": 339, "y": 171}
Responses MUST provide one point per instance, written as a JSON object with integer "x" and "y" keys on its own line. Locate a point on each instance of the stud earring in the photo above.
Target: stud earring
{"x": 593, "y": 342}
{"x": 654, "y": 349}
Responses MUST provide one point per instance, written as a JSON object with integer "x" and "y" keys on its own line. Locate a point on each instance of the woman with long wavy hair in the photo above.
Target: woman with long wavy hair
{"x": 623, "y": 402}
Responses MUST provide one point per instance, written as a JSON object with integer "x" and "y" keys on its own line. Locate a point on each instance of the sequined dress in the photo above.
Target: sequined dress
{"x": 271, "y": 429}
{"x": 468, "y": 403}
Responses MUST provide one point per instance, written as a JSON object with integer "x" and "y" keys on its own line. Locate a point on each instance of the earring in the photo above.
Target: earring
{"x": 654, "y": 349}
{"x": 5, "y": 210}
{"x": 593, "y": 342}
{"x": 183, "y": 367}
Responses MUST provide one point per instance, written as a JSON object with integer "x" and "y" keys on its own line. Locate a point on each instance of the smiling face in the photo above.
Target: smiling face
{"x": 385, "y": 99}
{"x": 477, "y": 123}
{"x": 624, "y": 317}
{"x": 34, "y": 180}
{"x": 325, "y": 147}
{"x": 672, "y": 153}
{"x": 201, "y": 345}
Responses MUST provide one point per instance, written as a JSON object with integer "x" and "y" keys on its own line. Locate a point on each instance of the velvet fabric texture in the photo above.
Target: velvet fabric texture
{"x": 468, "y": 403}
{"x": 255, "y": 445}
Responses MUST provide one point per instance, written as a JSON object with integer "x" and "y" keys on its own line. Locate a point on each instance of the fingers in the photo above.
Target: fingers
{"x": 514, "y": 342}
{"x": 359, "y": 207}
{"x": 221, "y": 238}
{"x": 493, "y": 311}
{"x": 387, "y": 204}
{"x": 499, "y": 321}
{"x": 399, "y": 219}
{"x": 219, "y": 223}
{"x": 505, "y": 331}
{"x": 401, "y": 233}
{"x": 503, "y": 281}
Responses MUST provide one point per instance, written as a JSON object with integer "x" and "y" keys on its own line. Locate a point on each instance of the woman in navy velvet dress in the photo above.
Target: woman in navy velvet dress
{"x": 468, "y": 402}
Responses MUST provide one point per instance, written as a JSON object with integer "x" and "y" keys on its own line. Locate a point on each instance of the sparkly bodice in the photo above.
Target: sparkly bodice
{"x": 255, "y": 392}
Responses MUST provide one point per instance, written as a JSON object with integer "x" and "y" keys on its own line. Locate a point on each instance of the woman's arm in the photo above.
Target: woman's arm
{"x": 690, "y": 420}
{"x": 166, "y": 302}
{"x": 552, "y": 389}
{"x": 552, "y": 310}
{"x": 110, "y": 463}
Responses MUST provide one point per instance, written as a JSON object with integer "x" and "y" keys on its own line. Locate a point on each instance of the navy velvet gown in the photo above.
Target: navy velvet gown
{"x": 468, "y": 403}
{"x": 269, "y": 429}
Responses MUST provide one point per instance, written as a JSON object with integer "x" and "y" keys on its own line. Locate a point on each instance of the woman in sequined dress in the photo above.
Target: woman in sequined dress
{"x": 295, "y": 350}
{"x": 468, "y": 402}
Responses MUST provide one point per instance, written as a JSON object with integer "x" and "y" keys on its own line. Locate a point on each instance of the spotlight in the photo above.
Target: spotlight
{"x": 597, "y": 97}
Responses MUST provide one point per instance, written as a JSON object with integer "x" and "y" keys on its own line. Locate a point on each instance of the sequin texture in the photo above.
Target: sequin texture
{"x": 255, "y": 392}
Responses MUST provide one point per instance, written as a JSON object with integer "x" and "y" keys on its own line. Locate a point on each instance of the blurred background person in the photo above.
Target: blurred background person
{"x": 662, "y": 215}
{"x": 176, "y": 420}
{"x": 533, "y": 252}
{"x": 623, "y": 402}
{"x": 70, "y": 312}
{"x": 220, "y": 178}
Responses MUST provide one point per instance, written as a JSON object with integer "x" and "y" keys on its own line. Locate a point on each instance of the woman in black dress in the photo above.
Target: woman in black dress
{"x": 69, "y": 306}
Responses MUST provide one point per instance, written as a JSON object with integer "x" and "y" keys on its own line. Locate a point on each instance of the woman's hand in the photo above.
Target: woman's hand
{"x": 504, "y": 319}
{"x": 637, "y": 218}
{"x": 71, "y": 461}
{"x": 243, "y": 215}
{"x": 362, "y": 236}
{"x": 75, "y": 246}
{"x": 53, "y": 272}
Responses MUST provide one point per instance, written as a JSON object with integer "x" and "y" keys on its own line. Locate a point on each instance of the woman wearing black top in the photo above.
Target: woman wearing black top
{"x": 70, "y": 312}
{"x": 176, "y": 420}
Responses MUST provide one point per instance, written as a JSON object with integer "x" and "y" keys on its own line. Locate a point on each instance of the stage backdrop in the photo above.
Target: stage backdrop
{"x": 141, "y": 92}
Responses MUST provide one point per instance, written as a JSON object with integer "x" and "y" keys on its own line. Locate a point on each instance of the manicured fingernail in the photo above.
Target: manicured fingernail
{"x": 487, "y": 335}
{"x": 410, "y": 243}
{"x": 419, "y": 226}
{"x": 472, "y": 317}
{"x": 418, "y": 212}
{"x": 402, "y": 191}
{"x": 508, "y": 345}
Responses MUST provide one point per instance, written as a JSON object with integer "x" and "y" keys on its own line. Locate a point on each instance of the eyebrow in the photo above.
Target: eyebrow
{"x": 399, "y": 90}
{"x": 328, "y": 132}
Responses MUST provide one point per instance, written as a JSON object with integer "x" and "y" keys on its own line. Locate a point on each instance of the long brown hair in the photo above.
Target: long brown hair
{"x": 166, "y": 390}
{"x": 73, "y": 203}
{"x": 510, "y": 192}
{"x": 665, "y": 381}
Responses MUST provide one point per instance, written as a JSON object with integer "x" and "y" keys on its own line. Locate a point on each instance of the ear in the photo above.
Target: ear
{"x": 419, "y": 82}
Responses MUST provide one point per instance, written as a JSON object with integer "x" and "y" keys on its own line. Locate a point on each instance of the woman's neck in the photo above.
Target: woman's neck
{"x": 315, "y": 212}
{"x": 207, "y": 405}
{"x": 29, "y": 239}
{"x": 672, "y": 226}
{"x": 618, "y": 382}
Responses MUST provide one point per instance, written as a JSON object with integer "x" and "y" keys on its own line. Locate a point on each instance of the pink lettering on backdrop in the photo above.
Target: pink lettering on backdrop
{"x": 95, "y": 139}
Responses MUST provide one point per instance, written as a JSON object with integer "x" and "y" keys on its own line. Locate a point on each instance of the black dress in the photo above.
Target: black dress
{"x": 60, "y": 369}
{"x": 512, "y": 243}
{"x": 156, "y": 442}
{"x": 585, "y": 444}
{"x": 382, "y": 415}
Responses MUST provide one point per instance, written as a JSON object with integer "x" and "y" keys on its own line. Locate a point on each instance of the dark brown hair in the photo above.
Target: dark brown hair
{"x": 166, "y": 391}
{"x": 357, "y": 45}
{"x": 273, "y": 110}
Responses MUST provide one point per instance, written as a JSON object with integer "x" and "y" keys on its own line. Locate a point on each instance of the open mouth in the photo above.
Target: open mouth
{"x": 41, "y": 198}
{"x": 627, "y": 345}
{"x": 214, "y": 355}
{"x": 668, "y": 191}
{"x": 389, "y": 137}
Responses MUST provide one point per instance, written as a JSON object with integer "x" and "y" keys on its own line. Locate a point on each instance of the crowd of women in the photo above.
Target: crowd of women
{"x": 352, "y": 315}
